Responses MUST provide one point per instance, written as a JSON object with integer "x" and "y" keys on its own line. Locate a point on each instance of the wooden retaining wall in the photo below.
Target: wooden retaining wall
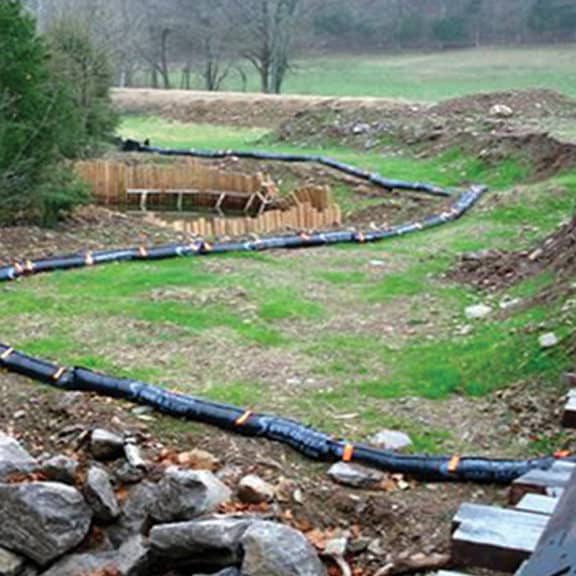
{"x": 301, "y": 217}
{"x": 111, "y": 180}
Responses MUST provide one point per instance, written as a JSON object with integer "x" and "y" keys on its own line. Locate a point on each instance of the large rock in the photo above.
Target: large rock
{"x": 13, "y": 458}
{"x": 215, "y": 541}
{"x": 100, "y": 495}
{"x": 225, "y": 572}
{"x": 275, "y": 550}
{"x": 186, "y": 494}
{"x": 42, "y": 521}
{"x": 11, "y": 564}
{"x": 135, "y": 517}
{"x": 131, "y": 559}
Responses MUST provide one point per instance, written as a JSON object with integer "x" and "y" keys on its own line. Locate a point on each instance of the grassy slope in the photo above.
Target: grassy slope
{"x": 357, "y": 325}
{"x": 433, "y": 76}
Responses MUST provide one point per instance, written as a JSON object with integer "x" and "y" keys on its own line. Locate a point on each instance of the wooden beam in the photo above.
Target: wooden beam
{"x": 546, "y": 482}
{"x": 555, "y": 554}
{"x": 495, "y": 538}
{"x": 537, "y": 504}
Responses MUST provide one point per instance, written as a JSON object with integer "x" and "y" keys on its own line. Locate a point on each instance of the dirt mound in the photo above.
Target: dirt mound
{"x": 232, "y": 109}
{"x": 523, "y": 103}
{"x": 495, "y": 270}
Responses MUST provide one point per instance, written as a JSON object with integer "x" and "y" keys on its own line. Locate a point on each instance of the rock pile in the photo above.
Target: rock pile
{"x": 65, "y": 517}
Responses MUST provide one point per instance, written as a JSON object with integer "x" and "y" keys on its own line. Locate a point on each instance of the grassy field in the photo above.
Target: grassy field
{"x": 340, "y": 337}
{"x": 431, "y": 77}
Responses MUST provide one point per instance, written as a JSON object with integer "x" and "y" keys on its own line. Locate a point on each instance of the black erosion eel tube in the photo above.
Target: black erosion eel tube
{"x": 307, "y": 441}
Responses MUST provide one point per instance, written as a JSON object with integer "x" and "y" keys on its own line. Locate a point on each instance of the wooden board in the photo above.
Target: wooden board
{"x": 537, "y": 504}
{"x": 555, "y": 554}
{"x": 495, "y": 538}
{"x": 546, "y": 482}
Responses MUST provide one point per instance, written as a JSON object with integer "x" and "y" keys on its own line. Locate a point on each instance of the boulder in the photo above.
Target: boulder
{"x": 225, "y": 572}
{"x": 60, "y": 469}
{"x": 100, "y": 495}
{"x": 131, "y": 559}
{"x": 186, "y": 494}
{"x": 46, "y": 520}
{"x": 355, "y": 476}
{"x": 106, "y": 445}
{"x": 135, "y": 513}
{"x": 216, "y": 541}
{"x": 275, "y": 550}
{"x": 13, "y": 458}
{"x": 391, "y": 440}
{"x": 11, "y": 564}
{"x": 254, "y": 490}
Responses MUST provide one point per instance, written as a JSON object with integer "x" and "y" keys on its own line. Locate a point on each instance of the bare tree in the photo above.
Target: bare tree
{"x": 267, "y": 33}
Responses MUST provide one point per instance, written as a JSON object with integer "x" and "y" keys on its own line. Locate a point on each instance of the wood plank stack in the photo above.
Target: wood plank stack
{"x": 503, "y": 539}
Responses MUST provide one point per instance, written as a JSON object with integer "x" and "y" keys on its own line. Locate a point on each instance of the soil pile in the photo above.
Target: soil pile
{"x": 495, "y": 270}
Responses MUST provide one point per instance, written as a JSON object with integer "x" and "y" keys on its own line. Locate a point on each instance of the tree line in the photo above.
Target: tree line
{"x": 213, "y": 40}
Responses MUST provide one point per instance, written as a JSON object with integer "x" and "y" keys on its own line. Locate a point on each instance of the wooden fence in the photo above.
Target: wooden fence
{"x": 301, "y": 217}
{"x": 110, "y": 180}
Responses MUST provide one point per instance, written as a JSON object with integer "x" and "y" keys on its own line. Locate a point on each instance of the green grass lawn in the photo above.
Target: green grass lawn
{"x": 427, "y": 76}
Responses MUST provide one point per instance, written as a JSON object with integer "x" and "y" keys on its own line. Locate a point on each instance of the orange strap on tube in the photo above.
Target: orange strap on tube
{"x": 58, "y": 374}
{"x": 348, "y": 453}
{"x": 453, "y": 464}
{"x": 6, "y": 354}
{"x": 244, "y": 418}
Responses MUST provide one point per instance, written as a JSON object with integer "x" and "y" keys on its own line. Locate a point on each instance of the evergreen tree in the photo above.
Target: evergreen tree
{"x": 43, "y": 122}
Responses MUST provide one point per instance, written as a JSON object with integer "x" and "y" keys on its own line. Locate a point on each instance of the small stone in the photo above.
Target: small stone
{"x": 377, "y": 263}
{"x": 478, "y": 312}
{"x": 60, "y": 469}
{"x": 106, "y": 445}
{"x": 127, "y": 474}
{"x": 336, "y": 547}
{"x": 254, "y": 490}
{"x": 11, "y": 564}
{"x": 501, "y": 111}
{"x": 391, "y": 440}
{"x": 100, "y": 495}
{"x": 13, "y": 458}
{"x": 187, "y": 494}
{"x": 198, "y": 460}
{"x": 549, "y": 340}
{"x": 355, "y": 476}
